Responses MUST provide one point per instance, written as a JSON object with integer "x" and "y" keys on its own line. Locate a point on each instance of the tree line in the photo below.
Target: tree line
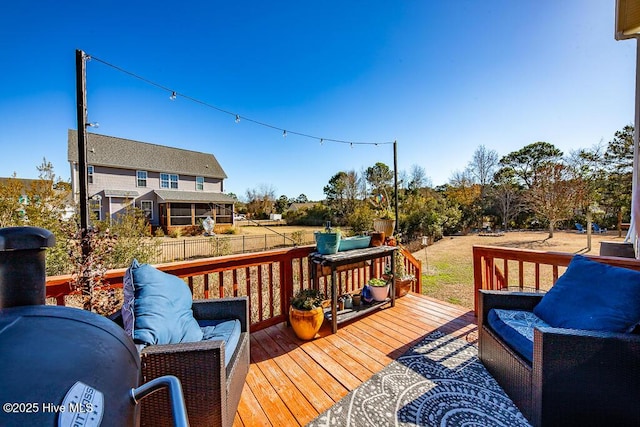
{"x": 535, "y": 187}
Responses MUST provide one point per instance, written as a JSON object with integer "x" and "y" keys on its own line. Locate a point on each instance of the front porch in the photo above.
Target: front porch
{"x": 290, "y": 382}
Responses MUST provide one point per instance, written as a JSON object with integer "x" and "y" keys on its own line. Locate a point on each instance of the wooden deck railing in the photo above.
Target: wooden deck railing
{"x": 268, "y": 278}
{"x": 498, "y": 268}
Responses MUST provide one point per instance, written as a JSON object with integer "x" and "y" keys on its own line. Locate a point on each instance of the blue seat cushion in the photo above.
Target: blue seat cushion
{"x": 593, "y": 296}
{"x": 515, "y": 327}
{"x": 223, "y": 330}
{"x": 157, "y": 307}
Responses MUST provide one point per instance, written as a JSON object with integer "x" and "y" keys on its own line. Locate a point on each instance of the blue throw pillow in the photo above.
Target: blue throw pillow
{"x": 593, "y": 296}
{"x": 160, "y": 311}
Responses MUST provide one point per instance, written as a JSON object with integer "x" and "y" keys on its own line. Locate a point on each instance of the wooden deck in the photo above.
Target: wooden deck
{"x": 290, "y": 382}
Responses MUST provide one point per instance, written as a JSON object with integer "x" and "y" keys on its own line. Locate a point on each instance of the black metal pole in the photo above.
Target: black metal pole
{"x": 81, "y": 99}
{"x": 395, "y": 183}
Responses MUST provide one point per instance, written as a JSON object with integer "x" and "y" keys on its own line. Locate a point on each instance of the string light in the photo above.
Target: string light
{"x": 174, "y": 95}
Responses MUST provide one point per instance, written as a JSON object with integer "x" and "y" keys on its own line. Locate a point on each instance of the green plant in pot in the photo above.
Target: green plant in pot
{"x": 306, "y": 314}
{"x": 379, "y": 288}
{"x": 403, "y": 280}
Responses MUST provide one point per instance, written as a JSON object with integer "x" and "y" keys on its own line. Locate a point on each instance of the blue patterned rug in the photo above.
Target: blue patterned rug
{"x": 439, "y": 382}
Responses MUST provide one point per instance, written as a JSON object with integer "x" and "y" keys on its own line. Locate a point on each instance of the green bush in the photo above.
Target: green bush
{"x": 361, "y": 219}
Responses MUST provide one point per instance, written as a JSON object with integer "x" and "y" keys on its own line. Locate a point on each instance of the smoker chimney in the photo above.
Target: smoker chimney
{"x": 22, "y": 265}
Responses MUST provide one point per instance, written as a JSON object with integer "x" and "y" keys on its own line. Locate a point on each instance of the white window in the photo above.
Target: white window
{"x": 199, "y": 183}
{"x": 141, "y": 179}
{"x": 147, "y": 208}
{"x": 89, "y": 174}
{"x": 168, "y": 180}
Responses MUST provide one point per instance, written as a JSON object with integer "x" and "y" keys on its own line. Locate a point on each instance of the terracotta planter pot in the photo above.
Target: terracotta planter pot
{"x": 403, "y": 287}
{"x": 306, "y": 323}
{"x": 377, "y": 239}
{"x": 356, "y": 300}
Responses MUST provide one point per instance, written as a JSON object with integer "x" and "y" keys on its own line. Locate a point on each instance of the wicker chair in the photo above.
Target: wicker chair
{"x": 211, "y": 392}
{"x": 576, "y": 378}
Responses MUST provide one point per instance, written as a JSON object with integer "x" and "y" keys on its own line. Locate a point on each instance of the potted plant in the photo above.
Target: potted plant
{"x": 404, "y": 281}
{"x": 379, "y": 288}
{"x": 327, "y": 241}
{"x": 385, "y": 223}
{"x": 306, "y": 313}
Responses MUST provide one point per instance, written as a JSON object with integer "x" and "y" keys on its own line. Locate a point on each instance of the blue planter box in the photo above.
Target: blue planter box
{"x": 357, "y": 242}
{"x": 327, "y": 243}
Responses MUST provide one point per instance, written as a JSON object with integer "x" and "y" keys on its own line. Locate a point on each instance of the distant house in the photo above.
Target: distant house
{"x": 297, "y": 207}
{"x": 26, "y": 184}
{"x": 174, "y": 187}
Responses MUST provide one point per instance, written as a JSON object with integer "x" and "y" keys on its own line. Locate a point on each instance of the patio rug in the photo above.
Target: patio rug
{"x": 438, "y": 382}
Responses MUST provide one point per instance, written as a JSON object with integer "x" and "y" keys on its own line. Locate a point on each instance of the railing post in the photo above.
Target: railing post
{"x": 477, "y": 277}
{"x": 286, "y": 275}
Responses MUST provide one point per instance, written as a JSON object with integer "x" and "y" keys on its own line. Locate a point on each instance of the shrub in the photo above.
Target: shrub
{"x": 192, "y": 230}
{"x": 361, "y": 219}
{"x": 220, "y": 246}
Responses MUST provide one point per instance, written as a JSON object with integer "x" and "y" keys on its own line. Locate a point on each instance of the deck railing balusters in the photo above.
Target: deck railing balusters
{"x": 293, "y": 273}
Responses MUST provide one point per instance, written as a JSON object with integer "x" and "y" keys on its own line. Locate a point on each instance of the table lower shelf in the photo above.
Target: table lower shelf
{"x": 355, "y": 312}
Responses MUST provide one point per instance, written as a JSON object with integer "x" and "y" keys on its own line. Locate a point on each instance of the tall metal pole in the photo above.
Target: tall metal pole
{"x": 395, "y": 182}
{"x": 81, "y": 100}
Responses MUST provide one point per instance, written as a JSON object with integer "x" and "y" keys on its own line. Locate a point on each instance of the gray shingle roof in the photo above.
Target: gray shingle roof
{"x": 193, "y": 196}
{"x": 115, "y": 152}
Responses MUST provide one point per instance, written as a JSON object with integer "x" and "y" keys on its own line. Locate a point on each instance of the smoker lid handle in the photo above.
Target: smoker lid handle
{"x": 178, "y": 408}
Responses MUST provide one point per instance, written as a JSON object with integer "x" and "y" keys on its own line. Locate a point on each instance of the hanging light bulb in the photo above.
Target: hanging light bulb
{"x": 173, "y": 96}
{"x": 321, "y": 141}
{"x": 351, "y": 144}
{"x": 237, "y": 118}
{"x": 284, "y": 133}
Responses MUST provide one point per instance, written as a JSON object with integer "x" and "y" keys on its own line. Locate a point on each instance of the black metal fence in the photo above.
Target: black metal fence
{"x": 202, "y": 247}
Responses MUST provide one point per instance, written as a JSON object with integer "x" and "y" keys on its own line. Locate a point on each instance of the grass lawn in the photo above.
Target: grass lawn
{"x": 447, "y": 266}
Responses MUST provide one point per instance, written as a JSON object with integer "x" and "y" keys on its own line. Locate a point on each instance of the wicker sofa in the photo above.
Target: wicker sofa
{"x": 576, "y": 377}
{"x": 211, "y": 391}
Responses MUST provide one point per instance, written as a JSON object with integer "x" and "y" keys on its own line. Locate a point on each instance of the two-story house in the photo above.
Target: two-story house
{"x": 174, "y": 187}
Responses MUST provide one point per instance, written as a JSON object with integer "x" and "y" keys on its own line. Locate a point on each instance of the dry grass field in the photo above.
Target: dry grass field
{"x": 448, "y": 265}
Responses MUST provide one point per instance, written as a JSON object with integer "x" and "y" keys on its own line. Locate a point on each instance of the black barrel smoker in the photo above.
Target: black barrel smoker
{"x": 61, "y": 366}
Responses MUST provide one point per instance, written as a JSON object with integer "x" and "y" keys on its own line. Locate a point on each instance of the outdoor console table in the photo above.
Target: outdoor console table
{"x": 318, "y": 261}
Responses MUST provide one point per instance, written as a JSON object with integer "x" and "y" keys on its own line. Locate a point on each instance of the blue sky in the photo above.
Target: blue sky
{"x": 440, "y": 77}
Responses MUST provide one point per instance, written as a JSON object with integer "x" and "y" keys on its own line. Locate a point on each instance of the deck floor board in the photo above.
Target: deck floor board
{"x": 291, "y": 381}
